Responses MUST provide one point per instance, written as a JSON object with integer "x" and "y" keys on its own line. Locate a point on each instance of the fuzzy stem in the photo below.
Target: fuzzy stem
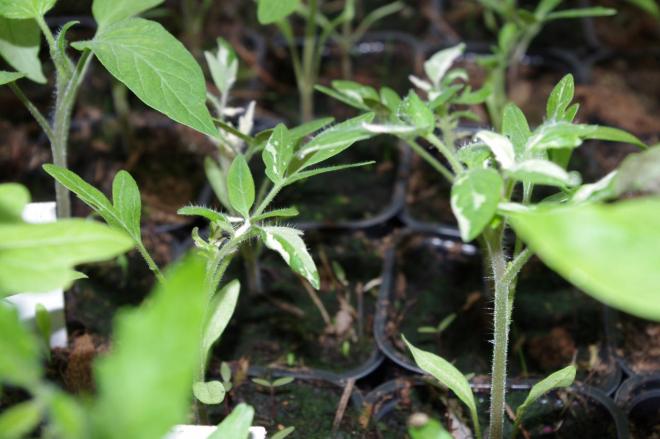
{"x": 447, "y": 152}
{"x": 150, "y": 262}
{"x": 34, "y": 111}
{"x": 306, "y": 83}
{"x": 430, "y": 160}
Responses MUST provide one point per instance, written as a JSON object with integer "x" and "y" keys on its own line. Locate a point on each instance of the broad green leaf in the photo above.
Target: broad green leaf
{"x": 583, "y": 12}
{"x": 20, "y": 364}
{"x": 8, "y": 77}
{"x": 640, "y": 173}
{"x": 303, "y": 175}
{"x": 217, "y": 181}
{"x": 447, "y": 374}
{"x": 501, "y": 147}
{"x": 356, "y": 91}
{"x": 555, "y": 135}
{"x": 127, "y": 203}
{"x": 474, "y": 198}
{"x": 334, "y": 140}
{"x": 561, "y": 378}
{"x": 19, "y": 420}
{"x": 262, "y": 382}
{"x": 210, "y": 214}
{"x": 220, "y": 310}
{"x": 289, "y": 244}
{"x": 240, "y": 186}
{"x": 236, "y": 425}
{"x": 19, "y": 46}
{"x": 436, "y": 66}
{"x": 543, "y": 172}
{"x": 22, "y": 9}
{"x": 474, "y": 155}
{"x": 40, "y": 257}
{"x": 514, "y": 125}
{"x": 277, "y": 154}
{"x": 421, "y": 426}
{"x": 608, "y": 251}
{"x": 603, "y": 189}
{"x": 13, "y": 198}
{"x": 111, "y": 11}
{"x": 560, "y": 98}
{"x": 301, "y": 131}
{"x": 285, "y": 432}
{"x": 157, "y": 68}
{"x": 346, "y": 99}
{"x": 277, "y": 213}
{"x": 390, "y": 99}
{"x": 272, "y": 11}
{"x": 418, "y": 113}
{"x": 597, "y": 132}
{"x": 211, "y": 392}
{"x": 283, "y": 381}
{"x": 66, "y": 417}
{"x": 145, "y": 382}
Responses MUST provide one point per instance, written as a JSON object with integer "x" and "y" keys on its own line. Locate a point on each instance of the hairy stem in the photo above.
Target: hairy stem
{"x": 447, "y": 151}
{"x": 306, "y": 83}
{"x": 150, "y": 262}
{"x": 430, "y": 159}
{"x": 34, "y": 111}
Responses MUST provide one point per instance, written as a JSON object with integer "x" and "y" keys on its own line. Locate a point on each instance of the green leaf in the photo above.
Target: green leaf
{"x": 334, "y": 140}
{"x": 240, "y": 186}
{"x": 474, "y": 155}
{"x": 111, "y": 11}
{"x": 544, "y": 7}
{"x": 272, "y": 11}
{"x": 277, "y": 154}
{"x": 144, "y": 382}
{"x": 515, "y": 126}
{"x": 9, "y": 77}
{"x": 390, "y": 99}
{"x": 303, "y": 175}
{"x": 289, "y": 244}
{"x": 22, "y": 9}
{"x": 285, "y": 432}
{"x": 543, "y": 172}
{"x": 560, "y": 98}
{"x": 277, "y": 213}
{"x": 209, "y": 393}
{"x": 13, "y": 199}
{"x": 346, "y": 99}
{"x": 597, "y": 132}
{"x": 561, "y": 378}
{"x": 220, "y": 310}
{"x": 283, "y": 381}
{"x": 447, "y": 374}
{"x": 609, "y": 251}
{"x": 583, "y": 12}
{"x": 418, "y": 113}
{"x": 20, "y": 420}
{"x": 555, "y": 135}
{"x": 301, "y": 131}
{"x": 43, "y": 323}
{"x": 217, "y": 181}
{"x": 421, "y": 426}
{"x": 157, "y": 68}
{"x": 20, "y": 364}
{"x": 650, "y": 6}
{"x": 262, "y": 382}
{"x": 474, "y": 198}
{"x": 19, "y": 46}
{"x": 640, "y": 173}
{"x": 210, "y": 214}
{"x": 40, "y": 257}
{"x": 127, "y": 203}
{"x": 436, "y": 66}
{"x": 236, "y": 425}
{"x": 356, "y": 91}
{"x": 66, "y": 417}
{"x": 501, "y": 147}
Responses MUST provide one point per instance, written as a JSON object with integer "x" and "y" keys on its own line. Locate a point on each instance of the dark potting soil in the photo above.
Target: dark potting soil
{"x": 309, "y": 406}
{"x": 352, "y": 194}
{"x": 560, "y": 415}
{"x": 631, "y": 27}
{"x": 282, "y": 327}
{"x": 428, "y": 194}
{"x": 639, "y": 343}
{"x": 552, "y": 321}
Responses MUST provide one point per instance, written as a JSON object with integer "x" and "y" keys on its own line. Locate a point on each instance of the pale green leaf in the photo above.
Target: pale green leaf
{"x": 157, "y": 68}
{"x": 582, "y": 12}
{"x": 640, "y": 173}
{"x": 210, "y": 214}
{"x": 285, "y": 432}
{"x": 301, "y": 131}
{"x": 43, "y": 323}
{"x": 422, "y": 427}
{"x": 515, "y": 126}
{"x": 8, "y": 77}
{"x": 560, "y": 98}
{"x": 608, "y": 251}
{"x": 20, "y": 364}
{"x": 283, "y": 381}
{"x": 110, "y": 11}
{"x": 66, "y": 417}
{"x": 474, "y": 198}
{"x": 341, "y": 97}
{"x": 217, "y": 181}
{"x": 13, "y": 199}
{"x": 236, "y": 425}
{"x": 543, "y": 172}
{"x": 272, "y": 11}
{"x": 277, "y": 154}
{"x": 561, "y": 378}
{"x": 19, "y": 46}
{"x": 145, "y": 381}
{"x": 240, "y": 186}
{"x": 438, "y": 64}
{"x": 220, "y": 310}
{"x": 22, "y": 9}
{"x": 501, "y": 147}
{"x": 127, "y": 203}
{"x": 277, "y": 213}
{"x": 303, "y": 175}
{"x": 417, "y": 113}
{"x": 289, "y": 244}
{"x": 19, "y": 420}
{"x": 211, "y": 392}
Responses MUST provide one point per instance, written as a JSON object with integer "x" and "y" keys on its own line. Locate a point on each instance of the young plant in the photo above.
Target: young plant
{"x": 130, "y": 48}
{"x": 318, "y": 30}
{"x": 272, "y": 387}
{"x": 516, "y": 28}
{"x": 493, "y": 181}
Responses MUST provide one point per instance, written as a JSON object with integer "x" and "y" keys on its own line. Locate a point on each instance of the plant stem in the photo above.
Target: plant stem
{"x": 306, "y": 83}
{"x": 446, "y": 151}
{"x": 150, "y": 262}
{"x": 34, "y": 111}
{"x": 423, "y": 153}
{"x": 268, "y": 199}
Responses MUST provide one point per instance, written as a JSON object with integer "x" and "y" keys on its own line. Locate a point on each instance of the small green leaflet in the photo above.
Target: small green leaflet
{"x": 501, "y": 147}
{"x": 474, "y": 198}
{"x": 13, "y": 198}
{"x": 111, "y": 11}
{"x": 212, "y": 215}
{"x": 283, "y": 433}
{"x": 211, "y": 392}
{"x": 19, "y": 420}
{"x": 19, "y": 46}
{"x": 418, "y": 113}
{"x": 277, "y": 154}
{"x": 272, "y": 11}
{"x": 157, "y": 68}
{"x": 8, "y": 77}
{"x": 543, "y": 172}
{"x": 20, "y": 364}
{"x": 448, "y": 375}
{"x": 426, "y": 428}
{"x": 220, "y": 310}
{"x": 560, "y": 98}
{"x": 586, "y": 244}
{"x": 583, "y": 12}
{"x": 640, "y": 173}
{"x": 561, "y": 378}
{"x": 236, "y": 425}
{"x": 516, "y": 128}
{"x": 127, "y": 203}
{"x": 289, "y": 244}
{"x": 22, "y": 9}
{"x": 436, "y": 66}
{"x": 240, "y": 186}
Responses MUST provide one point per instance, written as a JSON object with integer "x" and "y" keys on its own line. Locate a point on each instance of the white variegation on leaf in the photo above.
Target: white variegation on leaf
{"x": 277, "y": 154}
{"x": 289, "y": 244}
{"x": 223, "y": 66}
{"x": 420, "y": 83}
{"x": 437, "y": 66}
{"x": 501, "y": 147}
{"x": 602, "y": 189}
{"x": 474, "y": 199}
{"x": 545, "y": 172}
{"x": 389, "y": 128}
